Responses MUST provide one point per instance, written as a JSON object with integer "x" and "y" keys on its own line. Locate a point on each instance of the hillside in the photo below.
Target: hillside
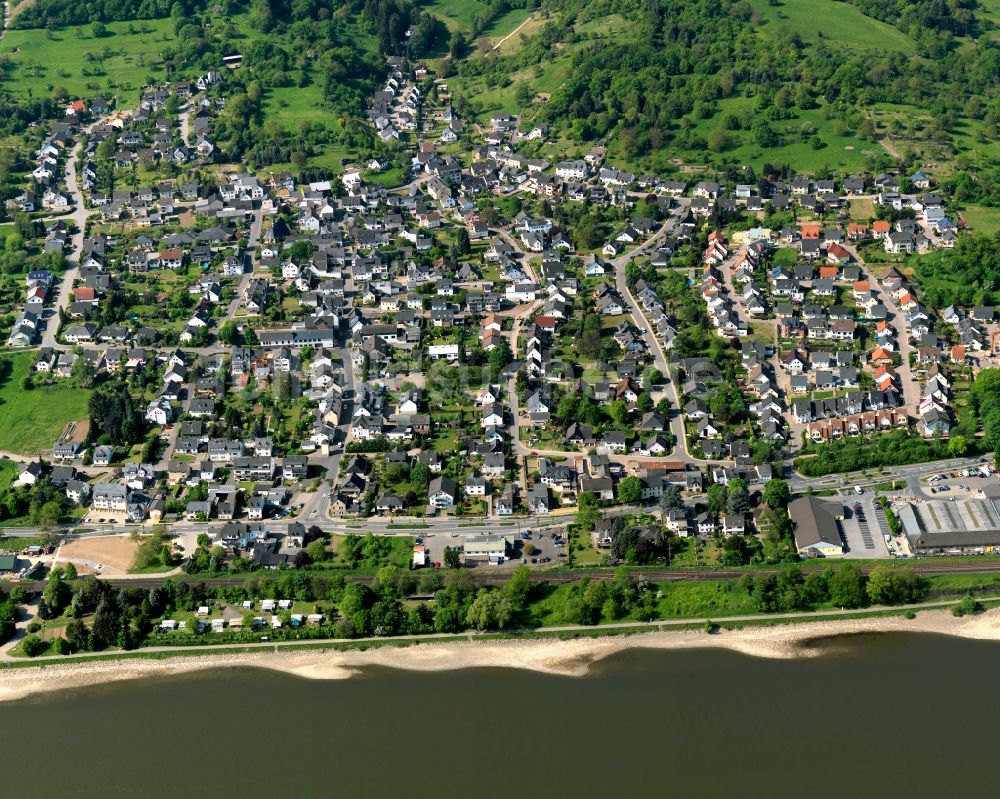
{"x": 818, "y": 85}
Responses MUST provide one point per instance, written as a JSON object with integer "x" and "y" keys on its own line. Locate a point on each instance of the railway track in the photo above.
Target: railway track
{"x": 484, "y": 577}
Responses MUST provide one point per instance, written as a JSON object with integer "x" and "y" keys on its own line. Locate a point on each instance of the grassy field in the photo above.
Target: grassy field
{"x": 840, "y": 150}
{"x": 8, "y": 472}
{"x": 837, "y": 23}
{"x": 982, "y": 219}
{"x": 30, "y": 421}
{"x": 508, "y": 23}
{"x": 72, "y": 58}
{"x": 456, "y": 14}
{"x": 289, "y": 106}
{"x": 910, "y": 129}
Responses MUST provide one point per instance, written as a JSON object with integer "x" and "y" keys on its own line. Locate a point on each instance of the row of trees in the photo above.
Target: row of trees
{"x": 897, "y": 448}
{"x": 99, "y": 616}
{"x": 844, "y": 586}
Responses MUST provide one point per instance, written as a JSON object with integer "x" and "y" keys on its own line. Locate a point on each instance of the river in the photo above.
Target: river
{"x": 877, "y": 715}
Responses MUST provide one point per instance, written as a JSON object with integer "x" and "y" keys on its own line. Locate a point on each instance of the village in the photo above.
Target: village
{"x": 463, "y": 347}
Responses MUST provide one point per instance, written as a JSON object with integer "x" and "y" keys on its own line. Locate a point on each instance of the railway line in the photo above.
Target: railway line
{"x": 490, "y": 577}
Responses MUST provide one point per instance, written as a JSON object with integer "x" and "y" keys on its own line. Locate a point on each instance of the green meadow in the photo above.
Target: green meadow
{"x": 456, "y": 14}
{"x": 119, "y": 63}
{"x": 834, "y": 22}
{"x": 31, "y": 421}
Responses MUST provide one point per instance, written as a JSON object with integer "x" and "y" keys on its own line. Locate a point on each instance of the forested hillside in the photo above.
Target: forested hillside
{"x": 737, "y": 80}
{"x": 818, "y": 85}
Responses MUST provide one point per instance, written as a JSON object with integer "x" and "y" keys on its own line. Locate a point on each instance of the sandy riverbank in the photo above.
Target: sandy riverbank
{"x": 571, "y": 658}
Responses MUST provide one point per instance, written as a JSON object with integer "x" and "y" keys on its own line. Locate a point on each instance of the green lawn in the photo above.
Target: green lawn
{"x": 840, "y": 149}
{"x": 118, "y": 63}
{"x": 456, "y": 14}
{"x": 982, "y": 219}
{"x": 706, "y": 598}
{"x": 506, "y": 23}
{"x": 30, "y": 421}
{"x": 289, "y": 106}
{"x": 8, "y": 472}
{"x": 837, "y": 23}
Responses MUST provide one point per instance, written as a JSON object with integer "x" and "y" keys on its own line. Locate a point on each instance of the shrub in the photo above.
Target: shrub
{"x": 33, "y": 646}
{"x": 967, "y": 607}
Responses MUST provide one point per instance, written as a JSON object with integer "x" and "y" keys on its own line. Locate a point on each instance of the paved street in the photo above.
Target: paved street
{"x": 78, "y": 219}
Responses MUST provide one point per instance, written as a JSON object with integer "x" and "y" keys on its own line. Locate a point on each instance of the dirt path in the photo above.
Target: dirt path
{"x": 498, "y": 45}
{"x": 889, "y": 147}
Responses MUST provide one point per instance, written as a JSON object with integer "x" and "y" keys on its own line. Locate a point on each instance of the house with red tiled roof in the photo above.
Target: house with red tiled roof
{"x": 856, "y": 231}
{"x": 546, "y": 323}
{"x": 836, "y": 254}
{"x": 880, "y": 357}
{"x": 881, "y": 228}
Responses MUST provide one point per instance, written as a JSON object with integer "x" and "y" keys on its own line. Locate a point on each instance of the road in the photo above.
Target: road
{"x": 516, "y": 246}
{"x": 515, "y": 409}
{"x": 25, "y": 615}
{"x": 910, "y": 388}
{"x": 797, "y": 482}
{"x": 653, "y": 344}
{"x": 316, "y": 508}
{"x": 79, "y": 221}
{"x": 185, "y": 122}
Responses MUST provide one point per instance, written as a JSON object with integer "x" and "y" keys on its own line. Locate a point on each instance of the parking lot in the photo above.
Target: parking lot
{"x": 537, "y": 547}
{"x": 862, "y": 526}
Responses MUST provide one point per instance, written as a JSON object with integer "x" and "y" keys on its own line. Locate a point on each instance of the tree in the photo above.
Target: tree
{"x": 671, "y": 499}
{"x": 518, "y": 589}
{"x": 56, "y": 594}
{"x": 738, "y": 497}
{"x": 893, "y": 586}
{"x": 958, "y": 446}
{"x": 591, "y": 342}
{"x": 716, "y": 498}
{"x": 229, "y": 332}
{"x": 106, "y": 624}
{"x": 69, "y": 573}
{"x": 77, "y": 635}
{"x": 317, "y": 550}
{"x": 587, "y": 511}
{"x": 630, "y": 490}
{"x": 618, "y": 411}
{"x": 718, "y": 140}
{"x": 50, "y": 514}
{"x": 420, "y": 475}
{"x": 499, "y": 357}
{"x": 763, "y": 133}
{"x": 452, "y": 557}
{"x": 847, "y": 586}
{"x": 491, "y": 610}
{"x": 776, "y": 493}
{"x": 32, "y": 646}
